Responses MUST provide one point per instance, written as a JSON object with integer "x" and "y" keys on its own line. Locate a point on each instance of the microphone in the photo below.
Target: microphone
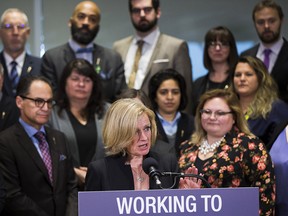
{"x": 150, "y": 166}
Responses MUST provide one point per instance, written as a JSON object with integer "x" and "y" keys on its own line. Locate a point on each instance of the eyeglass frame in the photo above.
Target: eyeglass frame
{"x": 137, "y": 11}
{"x": 214, "y": 44}
{"x": 39, "y": 101}
{"x": 9, "y": 26}
{"x": 217, "y": 113}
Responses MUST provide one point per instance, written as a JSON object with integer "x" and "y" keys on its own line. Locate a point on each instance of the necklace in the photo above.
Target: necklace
{"x": 206, "y": 148}
{"x": 139, "y": 177}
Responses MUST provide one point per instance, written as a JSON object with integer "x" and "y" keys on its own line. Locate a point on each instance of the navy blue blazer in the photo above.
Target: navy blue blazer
{"x": 32, "y": 66}
{"x": 280, "y": 69}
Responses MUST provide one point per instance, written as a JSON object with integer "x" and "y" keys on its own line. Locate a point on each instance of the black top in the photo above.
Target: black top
{"x": 112, "y": 173}
{"x": 85, "y": 139}
{"x": 203, "y": 84}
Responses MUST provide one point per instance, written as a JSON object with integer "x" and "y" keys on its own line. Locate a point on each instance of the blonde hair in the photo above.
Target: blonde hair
{"x": 120, "y": 125}
{"x": 267, "y": 91}
{"x": 232, "y": 101}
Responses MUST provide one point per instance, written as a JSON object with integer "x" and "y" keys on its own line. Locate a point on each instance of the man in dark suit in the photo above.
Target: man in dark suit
{"x": 84, "y": 25}
{"x": 34, "y": 160}
{"x": 268, "y": 19}
{"x": 9, "y": 112}
{"x": 14, "y": 33}
{"x": 159, "y": 51}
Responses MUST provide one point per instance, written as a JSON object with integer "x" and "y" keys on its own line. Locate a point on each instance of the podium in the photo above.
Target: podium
{"x": 200, "y": 202}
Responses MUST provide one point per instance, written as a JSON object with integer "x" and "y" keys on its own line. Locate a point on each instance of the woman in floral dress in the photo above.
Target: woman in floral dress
{"x": 225, "y": 151}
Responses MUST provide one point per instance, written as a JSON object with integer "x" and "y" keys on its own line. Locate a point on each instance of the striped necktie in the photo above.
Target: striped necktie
{"x": 14, "y": 78}
{"x": 44, "y": 148}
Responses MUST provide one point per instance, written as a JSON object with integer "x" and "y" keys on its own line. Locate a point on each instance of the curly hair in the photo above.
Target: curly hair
{"x": 267, "y": 91}
{"x": 163, "y": 75}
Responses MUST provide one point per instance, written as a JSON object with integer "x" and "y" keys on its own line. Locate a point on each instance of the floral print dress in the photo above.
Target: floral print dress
{"x": 240, "y": 161}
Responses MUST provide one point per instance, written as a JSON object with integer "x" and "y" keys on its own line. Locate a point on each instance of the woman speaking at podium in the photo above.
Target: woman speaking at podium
{"x": 225, "y": 152}
{"x": 129, "y": 130}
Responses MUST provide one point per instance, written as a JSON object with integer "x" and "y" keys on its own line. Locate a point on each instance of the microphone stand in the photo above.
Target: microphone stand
{"x": 183, "y": 175}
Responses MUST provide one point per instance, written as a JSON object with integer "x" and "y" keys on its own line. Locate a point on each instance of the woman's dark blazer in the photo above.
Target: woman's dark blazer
{"x": 185, "y": 128}
{"x": 112, "y": 173}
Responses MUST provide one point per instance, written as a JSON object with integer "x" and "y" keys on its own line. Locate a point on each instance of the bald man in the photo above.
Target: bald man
{"x": 84, "y": 25}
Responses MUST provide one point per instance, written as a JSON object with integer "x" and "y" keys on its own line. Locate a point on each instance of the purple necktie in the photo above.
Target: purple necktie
{"x": 44, "y": 148}
{"x": 267, "y": 57}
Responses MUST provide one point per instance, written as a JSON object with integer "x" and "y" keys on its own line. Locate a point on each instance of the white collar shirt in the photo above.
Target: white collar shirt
{"x": 275, "y": 48}
{"x": 19, "y": 60}
{"x": 147, "y": 51}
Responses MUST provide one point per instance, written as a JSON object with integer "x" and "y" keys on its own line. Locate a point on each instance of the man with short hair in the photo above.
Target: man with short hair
{"x": 84, "y": 25}
{"x": 17, "y": 63}
{"x": 273, "y": 48}
{"x": 34, "y": 159}
{"x": 156, "y": 51}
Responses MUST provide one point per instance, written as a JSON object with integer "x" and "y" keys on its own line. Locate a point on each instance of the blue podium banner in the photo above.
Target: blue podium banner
{"x": 208, "y": 202}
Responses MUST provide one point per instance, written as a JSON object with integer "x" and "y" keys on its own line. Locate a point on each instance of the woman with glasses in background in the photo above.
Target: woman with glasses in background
{"x": 220, "y": 55}
{"x": 224, "y": 150}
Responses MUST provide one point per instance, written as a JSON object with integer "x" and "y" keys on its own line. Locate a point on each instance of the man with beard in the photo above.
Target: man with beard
{"x": 84, "y": 25}
{"x": 273, "y": 48}
{"x": 154, "y": 52}
{"x": 14, "y": 33}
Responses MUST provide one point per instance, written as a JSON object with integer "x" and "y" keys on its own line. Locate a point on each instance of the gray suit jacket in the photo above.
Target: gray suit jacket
{"x": 170, "y": 52}
{"x": 62, "y": 123}
{"x": 111, "y": 65}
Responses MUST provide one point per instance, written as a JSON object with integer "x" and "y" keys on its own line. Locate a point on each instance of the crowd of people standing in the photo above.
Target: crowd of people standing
{"x": 72, "y": 119}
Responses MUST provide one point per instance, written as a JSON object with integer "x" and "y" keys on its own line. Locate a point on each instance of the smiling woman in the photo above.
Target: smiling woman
{"x": 224, "y": 150}
{"x": 129, "y": 130}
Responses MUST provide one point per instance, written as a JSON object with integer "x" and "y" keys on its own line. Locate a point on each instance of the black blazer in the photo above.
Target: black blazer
{"x": 112, "y": 69}
{"x": 9, "y": 112}
{"x": 280, "y": 69}
{"x": 111, "y": 173}
{"x": 32, "y": 66}
{"x": 29, "y": 191}
{"x": 185, "y": 128}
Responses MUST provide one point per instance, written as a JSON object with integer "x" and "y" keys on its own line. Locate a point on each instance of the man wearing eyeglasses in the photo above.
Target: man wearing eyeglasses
{"x": 14, "y": 32}
{"x": 157, "y": 51}
{"x": 35, "y": 163}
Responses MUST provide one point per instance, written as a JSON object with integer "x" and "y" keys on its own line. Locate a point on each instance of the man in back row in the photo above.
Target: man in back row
{"x": 84, "y": 25}
{"x": 150, "y": 51}
{"x": 14, "y": 33}
{"x": 273, "y": 48}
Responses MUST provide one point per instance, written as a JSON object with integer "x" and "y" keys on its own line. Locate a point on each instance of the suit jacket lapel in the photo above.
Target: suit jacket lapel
{"x": 7, "y": 84}
{"x": 153, "y": 57}
{"x": 282, "y": 58}
{"x": 68, "y": 54}
{"x": 27, "y": 66}
{"x": 31, "y": 150}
